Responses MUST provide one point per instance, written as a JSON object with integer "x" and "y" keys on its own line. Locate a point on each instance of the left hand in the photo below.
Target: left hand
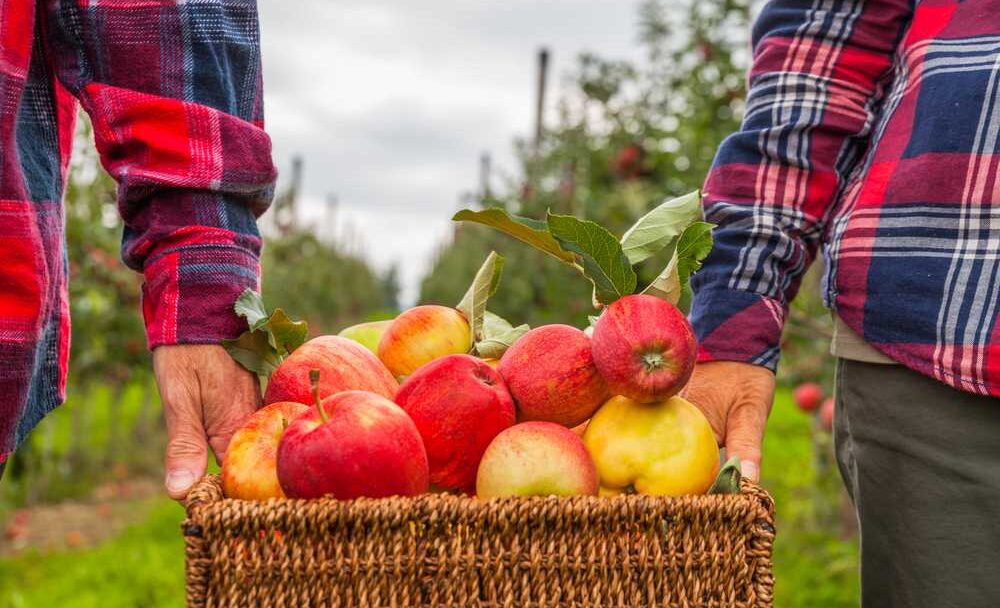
{"x": 206, "y": 396}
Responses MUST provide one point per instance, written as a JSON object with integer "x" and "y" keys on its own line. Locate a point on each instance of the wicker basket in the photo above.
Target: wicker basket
{"x": 446, "y": 551}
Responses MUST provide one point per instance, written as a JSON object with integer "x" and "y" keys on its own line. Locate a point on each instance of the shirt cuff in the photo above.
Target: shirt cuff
{"x": 190, "y": 287}
{"x": 734, "y": 325}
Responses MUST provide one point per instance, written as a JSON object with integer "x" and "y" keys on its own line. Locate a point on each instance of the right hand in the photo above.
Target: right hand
{"x": 736, "y": 398}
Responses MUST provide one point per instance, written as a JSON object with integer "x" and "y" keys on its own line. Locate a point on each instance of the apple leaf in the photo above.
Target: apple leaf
{"x": 285, "y": 334}
{"x": 686, "y": 255}
{"x": 250, "y": 305}
{"x": 658, "y": 228}
{"x": 269, "y": 337}
{"x": 600, "y": 255}
{"x": 526, "y": 230}
{"x": 484, "y": 285}
{"x": 728, "y": 479}
{"x": 253, "y": 351}
{"x": 498, "y": 336}
{"x": 693, "y": 247}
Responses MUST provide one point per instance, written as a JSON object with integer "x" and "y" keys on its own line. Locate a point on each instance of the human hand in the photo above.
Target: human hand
{"x": 206, "y": 396}
{"x": 736, "y": 398}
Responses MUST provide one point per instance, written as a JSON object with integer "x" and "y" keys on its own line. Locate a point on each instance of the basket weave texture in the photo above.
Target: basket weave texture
{"x": 447, "y": 551}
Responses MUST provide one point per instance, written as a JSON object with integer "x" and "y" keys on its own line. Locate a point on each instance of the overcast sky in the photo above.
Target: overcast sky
{"x": 391, "y": 102}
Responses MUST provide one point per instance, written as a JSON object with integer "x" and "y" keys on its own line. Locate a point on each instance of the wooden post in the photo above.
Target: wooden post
{"x": 543, "y": 71}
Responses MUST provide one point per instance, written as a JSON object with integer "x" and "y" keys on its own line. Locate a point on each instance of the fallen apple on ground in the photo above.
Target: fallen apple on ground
{"x": 344, "y": 365}
{"x": 665, "y": 448}
{"x": 349, "y": 445}
{"x": 644, "y": 348}
{"x": 551, "y": 374}
{"x": 808, "y": 396}
{"x": 459, "y": 404}
{"x": 421, "y": 335}
{"x": 366, "y": 334}
{"x": 536, "y": 459}
{"x": 249, "y": 467}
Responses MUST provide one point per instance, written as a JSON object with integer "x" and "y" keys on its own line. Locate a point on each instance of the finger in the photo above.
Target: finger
{"x": 227, "y": 400}
{"x": 187, "y": 451}
{"x": 744, "y": 434}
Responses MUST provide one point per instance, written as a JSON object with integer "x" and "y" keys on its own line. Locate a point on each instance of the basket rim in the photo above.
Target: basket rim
{"x": 206, "y": 496}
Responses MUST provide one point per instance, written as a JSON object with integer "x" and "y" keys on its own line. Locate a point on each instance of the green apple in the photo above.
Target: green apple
{"x": 367, "y": 334}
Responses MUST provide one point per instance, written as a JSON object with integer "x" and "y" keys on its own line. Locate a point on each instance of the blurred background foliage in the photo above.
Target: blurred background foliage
{"x": 627, "y": 136}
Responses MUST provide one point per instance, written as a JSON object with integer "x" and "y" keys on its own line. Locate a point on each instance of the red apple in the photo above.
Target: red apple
{"x": 249, "y": 466}
{"x": 459, "y": 404}
{"x": 344, "y": 365}
{"x": 350, "y": 445}
{"x": 421, "y": 335}
{"x": 826, "y": 413}
{"x": 551, "y": 374}
{"x": 645, "y": 348}
{"x": 808, "y": 396}
{"x": 536, "y": 459}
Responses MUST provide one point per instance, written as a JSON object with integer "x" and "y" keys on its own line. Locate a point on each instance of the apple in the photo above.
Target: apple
{"x": 808, "y": 396}
{"x": 666, "y": 448}
{"x": 345, "y": 365}
{"x": 421, "y": 335}
{"x": 494, "y": 363}
{"x": 551, "y": 374}
{"x": 249, "y": 466}
{"x": 366, "y": 334}
{"x": 352, "y": 444}
{"x": 536, "y": 459}
{"x": 644, "y": 347}
{"x": 459, "y": 404}
{"x": 826, "y": 414}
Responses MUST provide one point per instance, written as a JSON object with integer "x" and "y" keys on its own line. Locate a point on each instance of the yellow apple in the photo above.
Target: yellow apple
{"x": 665, "y": 448}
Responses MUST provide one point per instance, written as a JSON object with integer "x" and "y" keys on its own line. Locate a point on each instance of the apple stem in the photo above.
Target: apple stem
{"x": 314, "y": 381}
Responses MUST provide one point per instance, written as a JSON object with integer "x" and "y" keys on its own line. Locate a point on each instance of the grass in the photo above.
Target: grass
{"x": 143, "y": 567}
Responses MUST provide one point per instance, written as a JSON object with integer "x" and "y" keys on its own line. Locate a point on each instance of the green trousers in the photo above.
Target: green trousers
{"x": 922, "y": 462}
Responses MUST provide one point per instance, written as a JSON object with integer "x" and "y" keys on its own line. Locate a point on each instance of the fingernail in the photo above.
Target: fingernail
{"x": 749, "y": 470}
{"x": 179, "y": 480}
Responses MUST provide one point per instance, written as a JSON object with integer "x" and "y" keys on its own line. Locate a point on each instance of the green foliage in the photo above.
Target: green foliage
{"x": 628, "y": 136}
{"x": 270, "y": 338}
{"x": 484, "y": 285}
{"x": 316, "y": 280}
{"x": 600, "y": 256}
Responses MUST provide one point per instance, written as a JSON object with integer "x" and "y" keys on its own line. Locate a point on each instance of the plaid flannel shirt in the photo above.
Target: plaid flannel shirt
{"x": 872, "y": 128}
{"x": 174, "y": 92}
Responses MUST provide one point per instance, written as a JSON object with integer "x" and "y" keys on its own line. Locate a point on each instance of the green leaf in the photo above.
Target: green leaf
{"x": 687, "y": 253}
{"x": 250, "y": 305}
{"x": 659, "y": 227}
{"x": 253, "y": 351}
{"x": 283, "y": 333}
{"x": 270, "y": 338}
{"x": 498, "y": 336}
{"x": 484, "y": 285}
{"x": 694, "y": 246}
{"x": 728, "y": 479}
{"x": 526, "y": 230}
{"x": 600, "y": 253}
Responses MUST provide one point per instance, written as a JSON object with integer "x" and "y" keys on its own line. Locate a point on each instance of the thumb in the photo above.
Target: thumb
{"x": 187, "y": 451}
{"x": 744, "y": 434}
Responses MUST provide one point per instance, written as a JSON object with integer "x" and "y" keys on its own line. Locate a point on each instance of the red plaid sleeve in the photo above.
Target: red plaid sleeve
{"x": 174, "y": 92}
{"x": 818, "y": 75}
